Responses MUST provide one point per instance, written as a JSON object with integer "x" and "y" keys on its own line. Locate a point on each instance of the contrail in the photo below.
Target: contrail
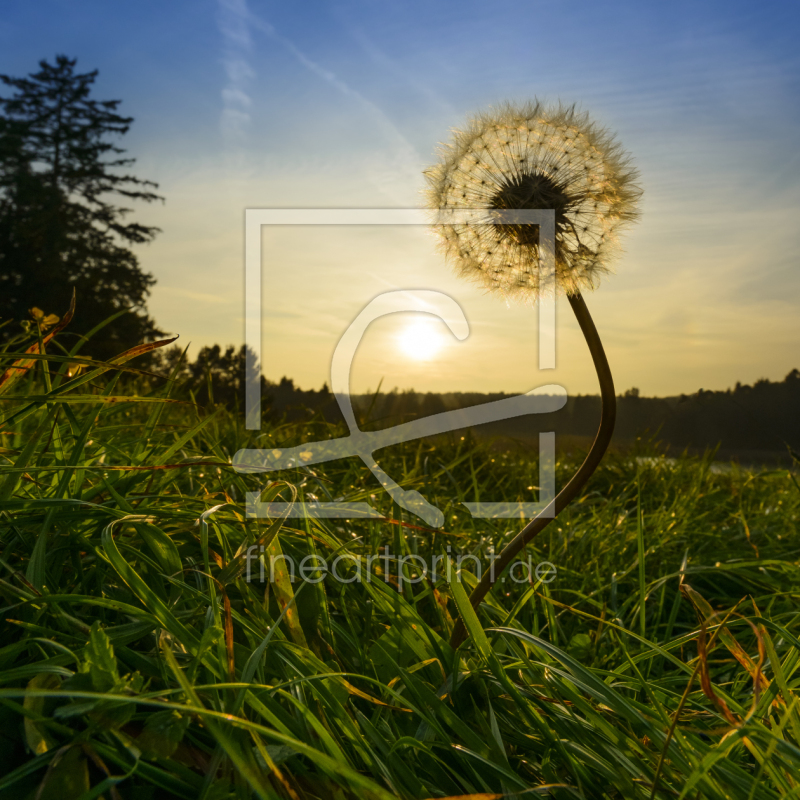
{"x": 232, "y": 22}
{"x": 405, "y": 149}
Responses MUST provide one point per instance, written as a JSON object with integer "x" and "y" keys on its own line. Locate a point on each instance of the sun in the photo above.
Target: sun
{"x": 420, "y": 340}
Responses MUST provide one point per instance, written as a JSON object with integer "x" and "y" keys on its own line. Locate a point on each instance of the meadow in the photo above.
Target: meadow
{"x": 144, "y": 657}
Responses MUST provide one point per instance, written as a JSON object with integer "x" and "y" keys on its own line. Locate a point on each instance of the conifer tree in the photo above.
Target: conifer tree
{"x": 62, "y": 178}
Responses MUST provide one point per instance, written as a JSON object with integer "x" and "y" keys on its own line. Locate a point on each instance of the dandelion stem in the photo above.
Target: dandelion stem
{"x": 573, "y": 488}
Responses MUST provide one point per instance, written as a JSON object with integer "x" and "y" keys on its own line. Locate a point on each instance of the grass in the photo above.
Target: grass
{"x": 137, "y": 660}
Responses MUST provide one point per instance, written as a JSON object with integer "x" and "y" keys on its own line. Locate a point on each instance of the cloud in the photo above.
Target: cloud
{"x": 418, "y": 84}
{"x": 200, "y": 297}
{"x": 406, "y": 160}
{"x": 235, "y": 119}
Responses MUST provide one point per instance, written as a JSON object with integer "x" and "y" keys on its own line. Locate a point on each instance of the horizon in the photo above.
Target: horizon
{"x": 620, "y": 393}
{"x": 242, "y": 104}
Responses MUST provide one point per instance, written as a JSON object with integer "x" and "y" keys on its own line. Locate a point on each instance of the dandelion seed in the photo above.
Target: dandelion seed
{"x": 534, "y": 157}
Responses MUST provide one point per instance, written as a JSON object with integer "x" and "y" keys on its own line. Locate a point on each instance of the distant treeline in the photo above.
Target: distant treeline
{"x": 749, "y": 422}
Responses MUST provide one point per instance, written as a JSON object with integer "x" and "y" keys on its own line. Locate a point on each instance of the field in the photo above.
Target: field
{"x": 143, "y": 656}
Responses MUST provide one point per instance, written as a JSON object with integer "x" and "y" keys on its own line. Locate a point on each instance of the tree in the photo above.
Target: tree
{"x": 59, "y": 230}
{"x": 217, "y": 376}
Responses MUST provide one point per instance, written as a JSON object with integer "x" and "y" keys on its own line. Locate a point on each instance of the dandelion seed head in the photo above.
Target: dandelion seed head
{"x": 534, "y": 156}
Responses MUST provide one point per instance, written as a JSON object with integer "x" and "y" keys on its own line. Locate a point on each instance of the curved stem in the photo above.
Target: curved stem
{"x": 578, "y": 480}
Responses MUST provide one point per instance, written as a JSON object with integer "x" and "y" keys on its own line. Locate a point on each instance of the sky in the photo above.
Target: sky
{"x": 253, "y": 104}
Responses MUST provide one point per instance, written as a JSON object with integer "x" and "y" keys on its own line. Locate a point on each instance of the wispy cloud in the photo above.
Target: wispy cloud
{"x": 393, "y": 67}
{"x": 405, "y": 160}
{"x": 200, "y": 297}
{"x": 232, "y": 18}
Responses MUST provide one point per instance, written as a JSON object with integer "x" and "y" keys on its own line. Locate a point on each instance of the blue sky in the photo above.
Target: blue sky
{"x": 260, "y": 104}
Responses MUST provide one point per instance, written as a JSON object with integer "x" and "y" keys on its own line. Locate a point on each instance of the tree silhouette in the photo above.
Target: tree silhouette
{"x": 58, "y": 229}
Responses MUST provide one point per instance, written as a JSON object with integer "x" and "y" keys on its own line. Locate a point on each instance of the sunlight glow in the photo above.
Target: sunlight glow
{"x": 420, "y": 340}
